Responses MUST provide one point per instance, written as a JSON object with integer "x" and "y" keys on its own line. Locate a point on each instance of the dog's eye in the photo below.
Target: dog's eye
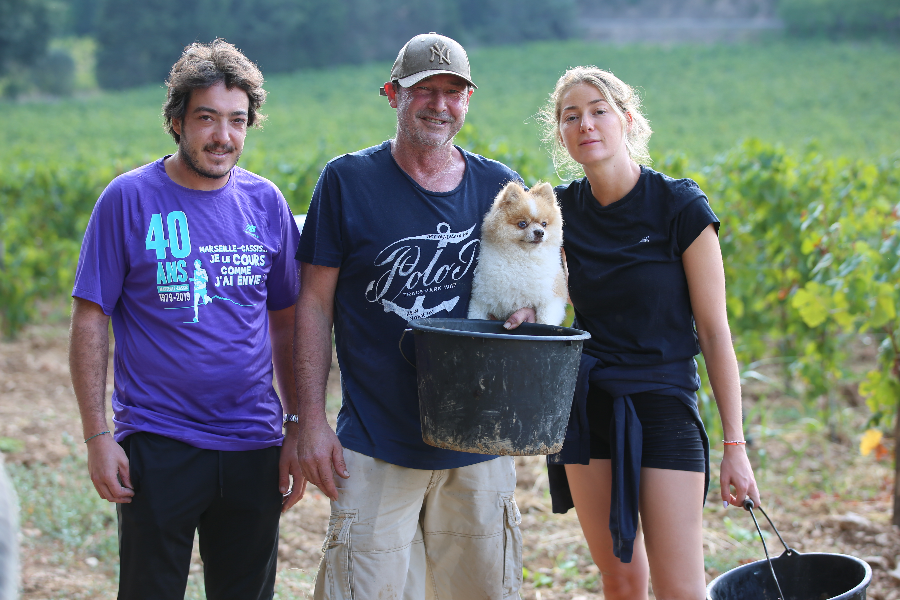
{"x": 522, "y": 224}
{"x": 543, "y": 223}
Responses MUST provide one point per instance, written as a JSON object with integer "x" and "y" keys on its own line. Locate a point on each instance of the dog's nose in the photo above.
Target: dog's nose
{"x": 538, "y": 233}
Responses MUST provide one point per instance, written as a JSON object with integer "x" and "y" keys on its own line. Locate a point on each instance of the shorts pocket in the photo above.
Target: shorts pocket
{"x": 335, "y": 578}
{"x": 512, "y": 548}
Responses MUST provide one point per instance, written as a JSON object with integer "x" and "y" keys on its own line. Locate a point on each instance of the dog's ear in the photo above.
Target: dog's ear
{"x": 509, "y": 194}
{"x": 544, "y": 190}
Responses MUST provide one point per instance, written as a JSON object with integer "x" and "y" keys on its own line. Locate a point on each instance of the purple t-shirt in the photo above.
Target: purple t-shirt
{"x": 188, "y": 277}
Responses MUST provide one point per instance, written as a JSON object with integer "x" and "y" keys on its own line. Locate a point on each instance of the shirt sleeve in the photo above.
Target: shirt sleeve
{"x": 321, "y": 242}
{"x": 693, "y": 217}
{"x": 103, "y": 261}
{"x": 283, "y": 280}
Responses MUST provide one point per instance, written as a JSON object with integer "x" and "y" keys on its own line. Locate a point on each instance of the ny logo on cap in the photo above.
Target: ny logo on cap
{"x": 442, "y": 53}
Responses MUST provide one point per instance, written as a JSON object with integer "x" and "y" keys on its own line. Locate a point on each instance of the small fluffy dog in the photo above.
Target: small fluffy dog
{"x": 520, "y": 264}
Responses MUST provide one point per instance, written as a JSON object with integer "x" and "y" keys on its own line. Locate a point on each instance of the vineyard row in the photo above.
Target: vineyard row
{"x": 811, "y": 248}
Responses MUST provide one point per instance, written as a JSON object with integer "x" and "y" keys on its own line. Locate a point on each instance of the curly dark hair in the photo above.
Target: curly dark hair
{"x": 203, "y": 65}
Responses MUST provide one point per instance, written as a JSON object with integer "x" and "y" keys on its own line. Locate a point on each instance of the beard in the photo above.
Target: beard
{"x": 191, "y": 157}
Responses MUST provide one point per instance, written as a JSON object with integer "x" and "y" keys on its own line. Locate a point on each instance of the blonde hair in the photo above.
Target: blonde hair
{"x": 620, "y": 96}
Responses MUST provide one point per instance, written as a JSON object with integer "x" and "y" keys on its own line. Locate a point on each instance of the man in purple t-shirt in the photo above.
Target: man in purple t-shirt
{"x": 192, "y": 259}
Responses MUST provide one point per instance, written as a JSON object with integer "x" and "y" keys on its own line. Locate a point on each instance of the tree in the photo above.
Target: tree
{"x": 139, "y": 41}
{"x": 25, "y": 30}
{"x": 493, "y": 22}
{"x": 838, "y": 18}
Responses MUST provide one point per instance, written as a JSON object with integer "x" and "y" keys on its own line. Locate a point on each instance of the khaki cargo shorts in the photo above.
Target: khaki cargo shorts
{"x": 411, "y": 534}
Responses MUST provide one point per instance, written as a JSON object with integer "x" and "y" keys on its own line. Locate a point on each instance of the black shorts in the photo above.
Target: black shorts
{"x": 672, "y": 439}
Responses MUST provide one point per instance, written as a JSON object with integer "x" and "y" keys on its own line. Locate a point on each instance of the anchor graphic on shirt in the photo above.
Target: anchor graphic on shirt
{"x": 443, "y": 236}
{"x": 418, "y": 310}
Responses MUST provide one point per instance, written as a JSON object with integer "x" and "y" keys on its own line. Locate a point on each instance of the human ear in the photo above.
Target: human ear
{"x": 391, "y": 92}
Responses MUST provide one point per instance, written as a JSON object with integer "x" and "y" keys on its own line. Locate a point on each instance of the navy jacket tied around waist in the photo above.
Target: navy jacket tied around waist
{"x": 677, "y": 379}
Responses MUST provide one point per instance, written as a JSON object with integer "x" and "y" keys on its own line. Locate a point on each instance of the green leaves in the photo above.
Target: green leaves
{"x": 884, "y": 309}
{"x": 43, "y": 214}
{"x": 811, "y": 257}
{"x": 812, "y": 302}
{"x": 880, "y": 389}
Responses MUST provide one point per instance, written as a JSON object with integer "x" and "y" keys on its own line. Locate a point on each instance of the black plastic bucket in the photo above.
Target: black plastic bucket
{"x": 812, "y": 576}
{"x": 487, "y": 390}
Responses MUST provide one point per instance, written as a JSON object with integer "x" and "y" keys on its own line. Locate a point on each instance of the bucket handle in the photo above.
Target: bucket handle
{"x": 748, "y": 506}
{"x": 400, "y": 347}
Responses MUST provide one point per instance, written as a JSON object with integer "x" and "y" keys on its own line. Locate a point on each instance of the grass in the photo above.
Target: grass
{"x": 76, "y": 524}
{"x": 61, "y": 502}
{"x": 700, "y": 99}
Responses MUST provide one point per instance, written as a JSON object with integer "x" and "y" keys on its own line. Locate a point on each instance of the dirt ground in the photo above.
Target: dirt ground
{"x": 821, "y": 493}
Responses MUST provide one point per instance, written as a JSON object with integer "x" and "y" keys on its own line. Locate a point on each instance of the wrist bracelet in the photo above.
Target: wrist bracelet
{"x": 95, "y": 435}
{"x": 734, "y": 442}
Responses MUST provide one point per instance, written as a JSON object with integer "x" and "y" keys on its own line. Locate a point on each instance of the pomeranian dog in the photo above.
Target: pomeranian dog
{"x": 520, "y": 262}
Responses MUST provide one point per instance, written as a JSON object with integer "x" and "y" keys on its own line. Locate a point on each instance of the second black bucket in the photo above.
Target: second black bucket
{"x": 487, "y": 390}
{"x": 816, "y": 575}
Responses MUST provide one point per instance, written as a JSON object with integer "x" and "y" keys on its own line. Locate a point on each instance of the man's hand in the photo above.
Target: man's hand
{"x": 523, "y": 315}
{"x": 108, "y": 467}
{"x": 321, "y": 455}
{"x": 289, "y": 469}
{"x": 88, "y": 356}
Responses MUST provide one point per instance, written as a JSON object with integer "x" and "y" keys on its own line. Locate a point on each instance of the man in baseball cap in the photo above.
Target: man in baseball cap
{"x": 392, "y": 235}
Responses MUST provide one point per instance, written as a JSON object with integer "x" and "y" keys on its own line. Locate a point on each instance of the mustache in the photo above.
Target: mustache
{"x": 219, "y": 148}
{"x": 430, "y": 114}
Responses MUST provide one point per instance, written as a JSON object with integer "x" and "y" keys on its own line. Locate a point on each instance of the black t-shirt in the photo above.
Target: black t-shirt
{"x": 404, "y": 253}
{"x": 626, "y": 279}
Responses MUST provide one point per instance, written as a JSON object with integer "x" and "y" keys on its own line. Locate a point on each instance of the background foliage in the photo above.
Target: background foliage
{"x": 812, "y": 259}
{"x": 139, "y": 41}
{"x": 810, "y": 237}
{"x": 838, "y": 18}
{"x": 700, "y": 99}
{"x": 135, "y": 43}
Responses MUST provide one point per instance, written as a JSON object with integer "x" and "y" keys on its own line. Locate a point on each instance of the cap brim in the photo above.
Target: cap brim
{"x": 417, "y": 77}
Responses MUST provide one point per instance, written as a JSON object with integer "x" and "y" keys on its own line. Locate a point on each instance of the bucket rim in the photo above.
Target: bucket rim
{"x": 431, "y": 325}
{"x": 866, "y": 580}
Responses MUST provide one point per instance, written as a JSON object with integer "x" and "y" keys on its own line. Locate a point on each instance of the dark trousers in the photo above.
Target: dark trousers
{"x": 230, "y": 498}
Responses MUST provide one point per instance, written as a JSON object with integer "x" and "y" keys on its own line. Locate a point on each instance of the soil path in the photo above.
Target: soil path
{"x": 39, "y": 423}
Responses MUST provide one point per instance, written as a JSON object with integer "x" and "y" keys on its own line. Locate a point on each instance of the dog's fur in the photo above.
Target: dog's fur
{"x": 520, "y": 262}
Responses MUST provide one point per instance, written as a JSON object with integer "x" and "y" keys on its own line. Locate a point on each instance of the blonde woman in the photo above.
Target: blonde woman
{"x": 646, "y": 280}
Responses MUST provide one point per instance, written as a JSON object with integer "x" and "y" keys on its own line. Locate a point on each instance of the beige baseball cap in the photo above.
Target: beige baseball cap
{"x": 429, "y": 54}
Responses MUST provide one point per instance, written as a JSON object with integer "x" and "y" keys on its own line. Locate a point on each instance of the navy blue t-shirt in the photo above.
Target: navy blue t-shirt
{"x": 404, "y": 253}
{"x": 626, "y": 279}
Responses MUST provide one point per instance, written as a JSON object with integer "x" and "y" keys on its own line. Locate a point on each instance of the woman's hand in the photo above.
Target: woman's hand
{"x": 737, "y": 474}
{"x": 523, "y": 315}
{"x": 705, "y": 274}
